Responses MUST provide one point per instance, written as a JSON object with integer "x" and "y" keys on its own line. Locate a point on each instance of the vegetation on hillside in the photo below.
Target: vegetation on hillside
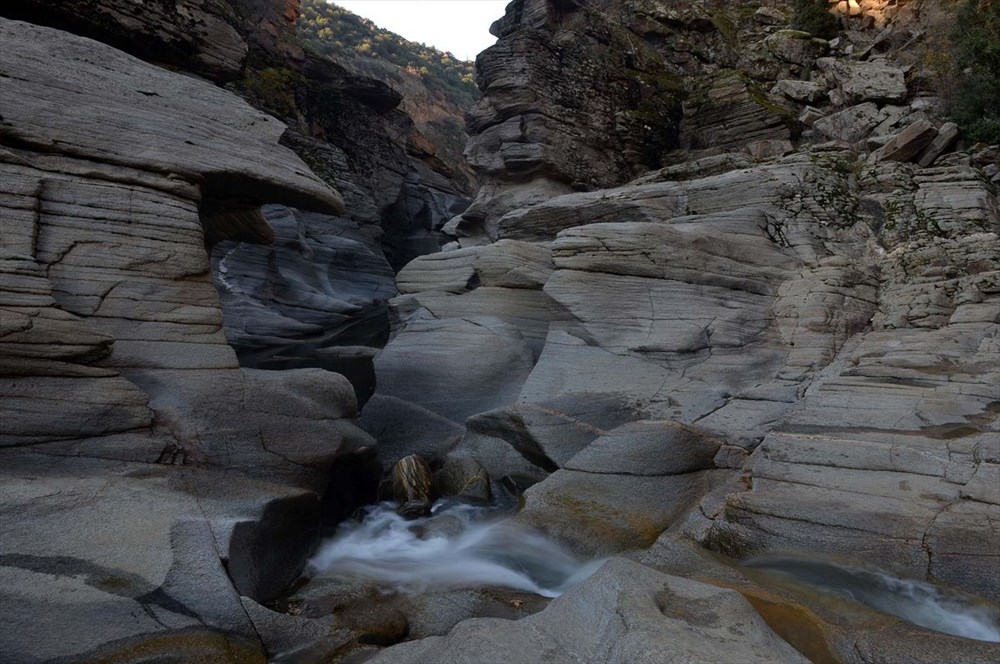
{"x": 334, "y": 31}
{"x": 975, "y": 105}
{"x": 814, "y": 17}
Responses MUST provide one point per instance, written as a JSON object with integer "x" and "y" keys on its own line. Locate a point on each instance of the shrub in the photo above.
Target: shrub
{"x": 976, "y": 50}
{"x": 814, "y": 17}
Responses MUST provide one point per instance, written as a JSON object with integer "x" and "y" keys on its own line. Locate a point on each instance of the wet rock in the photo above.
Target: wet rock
{"x": 410, "y": 483}
{"x": 463, "y": 477}
{"x": 660, "y": 618}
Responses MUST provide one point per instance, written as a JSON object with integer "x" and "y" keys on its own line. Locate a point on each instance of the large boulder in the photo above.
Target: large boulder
{"x": 653, "y": 618}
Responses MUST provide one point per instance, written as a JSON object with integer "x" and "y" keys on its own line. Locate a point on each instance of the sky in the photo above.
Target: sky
{"x": 459, "y": 26}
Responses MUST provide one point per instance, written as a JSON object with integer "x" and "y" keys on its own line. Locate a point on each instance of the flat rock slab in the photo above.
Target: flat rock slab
{"x": 110, "y": 555}
{"x": 115, "y": 108}
{"x": 625, "y": 613}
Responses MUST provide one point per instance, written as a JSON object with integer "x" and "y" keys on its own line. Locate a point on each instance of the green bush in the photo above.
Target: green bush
{"x": 976, "y": 48}
{"x": 814, "y": 17}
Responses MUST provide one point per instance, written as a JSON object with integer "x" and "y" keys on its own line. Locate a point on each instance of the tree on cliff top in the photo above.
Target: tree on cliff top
{"x": 332, "y": 30}
{"x": 976, "y": 48}
{"x": 814, "y": 17}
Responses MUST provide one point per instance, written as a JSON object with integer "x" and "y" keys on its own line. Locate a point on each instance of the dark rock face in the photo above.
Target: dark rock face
{"x": 309, "y": 298}
{"x": 199, "y": 35}
{"x": 587, "y": 94}
{"x": 566, "y": 103}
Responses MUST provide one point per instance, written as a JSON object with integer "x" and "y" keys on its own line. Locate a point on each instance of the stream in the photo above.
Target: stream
{"x": 457, "y": 546}
{"x": 918, "y": 602}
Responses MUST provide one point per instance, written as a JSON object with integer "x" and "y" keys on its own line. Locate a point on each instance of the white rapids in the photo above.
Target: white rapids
{"x": 921, "y": 603}
{"x": 457, "y": 546}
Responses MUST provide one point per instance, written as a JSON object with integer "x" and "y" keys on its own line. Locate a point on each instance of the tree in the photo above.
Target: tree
{"x": 976, "y": 50}
{"x": 814, "y": 17}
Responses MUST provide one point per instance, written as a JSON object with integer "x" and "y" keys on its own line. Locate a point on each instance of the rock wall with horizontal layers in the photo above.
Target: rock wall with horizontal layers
{"x": 779, "y": 340}
{"x": 351, "y": 132}
{"x": 783, "y": 337}
{"x": 589, "y": 94}
{"x": 140, "y": 462}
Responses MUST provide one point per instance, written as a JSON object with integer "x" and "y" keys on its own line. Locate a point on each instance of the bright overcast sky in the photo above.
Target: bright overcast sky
{"x": 459, "y": 26}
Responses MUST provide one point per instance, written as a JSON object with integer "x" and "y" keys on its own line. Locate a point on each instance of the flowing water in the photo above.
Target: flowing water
{"x": 918, "y": 602}
{"x": 457, "y": 546}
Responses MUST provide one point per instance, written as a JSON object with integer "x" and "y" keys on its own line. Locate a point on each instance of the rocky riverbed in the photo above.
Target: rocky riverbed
{"x": 715, "y": 347}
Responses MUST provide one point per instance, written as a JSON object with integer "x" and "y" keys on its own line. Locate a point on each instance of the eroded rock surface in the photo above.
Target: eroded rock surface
{"x": 138, "y": 457}
{"x": 624, "y": 613}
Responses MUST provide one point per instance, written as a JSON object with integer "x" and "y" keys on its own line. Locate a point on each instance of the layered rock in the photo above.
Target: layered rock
{"x": 144, "y": 470}
{"x": 566, "y": 104}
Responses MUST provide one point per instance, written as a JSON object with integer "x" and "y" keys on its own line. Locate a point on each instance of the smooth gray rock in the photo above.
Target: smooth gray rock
{"x": 454, "y": 367}
{"x": 549, "y": 433}
{"x": 648, "y": 447}
{"x": 155, "y": 109}
{"x": 143, "y": 558}
{"x": 319, "y": 280}
{"x": 403, "y": 428}
{"x": 654, "y": 618}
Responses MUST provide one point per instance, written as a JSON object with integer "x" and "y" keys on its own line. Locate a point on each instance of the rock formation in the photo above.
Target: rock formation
{"x": 727, "y": 287}
{"x": 800, "y": 315}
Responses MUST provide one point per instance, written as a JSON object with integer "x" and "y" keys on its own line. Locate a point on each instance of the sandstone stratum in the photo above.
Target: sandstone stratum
{"x": 702, "y": 363}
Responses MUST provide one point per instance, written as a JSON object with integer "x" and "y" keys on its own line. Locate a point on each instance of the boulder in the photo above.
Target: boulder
{"x": 909, "y": 143}
{"x": 409, "y": 483}
{"x": 454, "y": 367}
{"x": 549, "y": 433}
{"x": 463, "y": 477}
{"x": 657, "y": 618}
{"x": 862, "y": 81}
{"x": 803, "y": 91}
{"x": 849, "y": 125}
{"x": 945, "y": 139}
{"x": 600, "y": 514}
{"x": 648, "y": 447}
{"x": 796, "y": 46}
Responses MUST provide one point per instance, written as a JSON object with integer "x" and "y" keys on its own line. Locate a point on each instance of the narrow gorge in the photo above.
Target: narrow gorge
{"x": 694, "y": 356}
